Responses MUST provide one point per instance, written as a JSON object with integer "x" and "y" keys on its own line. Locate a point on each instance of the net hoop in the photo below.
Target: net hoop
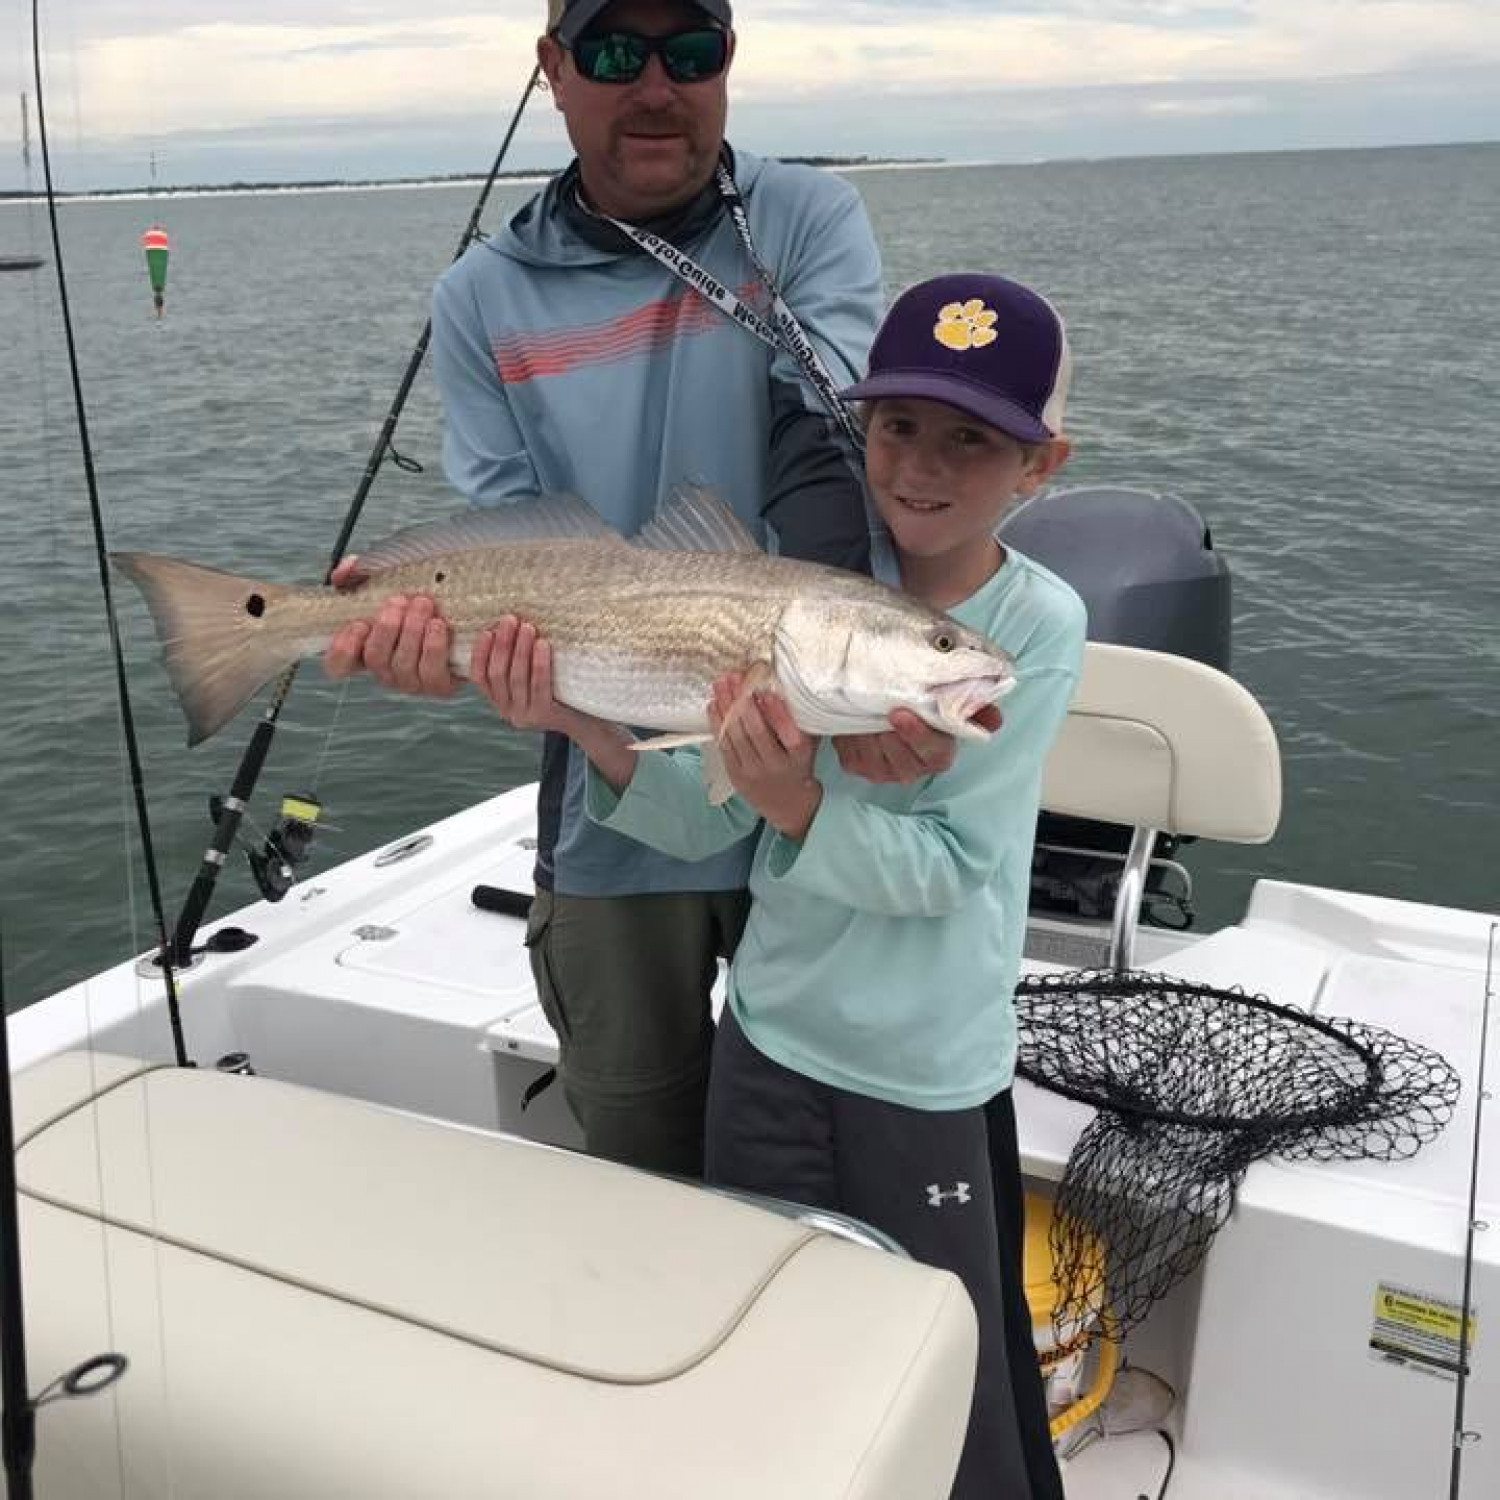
{"x": 1356, "y": 1100}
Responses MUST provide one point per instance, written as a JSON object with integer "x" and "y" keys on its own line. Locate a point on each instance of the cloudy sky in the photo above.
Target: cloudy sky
{"x": 220, "y": 90}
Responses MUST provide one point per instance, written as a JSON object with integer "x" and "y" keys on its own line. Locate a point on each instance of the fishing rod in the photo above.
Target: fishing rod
{"x": 1462, "y": 1437}
{"x": 101, "y": 552}
{"x": 228, "y": 811}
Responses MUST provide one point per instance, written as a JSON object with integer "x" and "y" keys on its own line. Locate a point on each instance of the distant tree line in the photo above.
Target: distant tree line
{"x": 313, "y": 183}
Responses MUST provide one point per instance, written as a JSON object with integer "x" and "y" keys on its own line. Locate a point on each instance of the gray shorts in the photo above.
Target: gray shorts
{"x": 625, "y": 982}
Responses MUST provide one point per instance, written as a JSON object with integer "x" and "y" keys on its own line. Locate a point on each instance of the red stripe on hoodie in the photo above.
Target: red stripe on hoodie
{"x": 521, "y": 357}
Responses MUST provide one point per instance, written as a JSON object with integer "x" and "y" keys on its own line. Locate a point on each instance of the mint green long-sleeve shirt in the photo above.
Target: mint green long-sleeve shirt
{"x": 882, "y": 951}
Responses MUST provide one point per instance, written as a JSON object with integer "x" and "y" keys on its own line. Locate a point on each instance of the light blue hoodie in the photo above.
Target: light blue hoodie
{"x": 564, "y": 365}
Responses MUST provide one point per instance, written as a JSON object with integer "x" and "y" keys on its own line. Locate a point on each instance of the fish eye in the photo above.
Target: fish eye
{"x": 943, "y": 641}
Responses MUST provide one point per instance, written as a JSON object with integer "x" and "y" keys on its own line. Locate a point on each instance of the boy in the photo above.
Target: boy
{"x": 866, "y": 1053}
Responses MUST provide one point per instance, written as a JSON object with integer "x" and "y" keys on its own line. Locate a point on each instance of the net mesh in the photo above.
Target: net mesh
{"x": 1192, "y": 1084}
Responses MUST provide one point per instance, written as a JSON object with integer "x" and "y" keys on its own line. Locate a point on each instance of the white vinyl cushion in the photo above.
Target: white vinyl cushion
{"x": 320, "y": 1297}
{"x": 1159, "y": 741}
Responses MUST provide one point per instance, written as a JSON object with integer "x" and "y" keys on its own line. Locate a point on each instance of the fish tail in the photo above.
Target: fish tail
{"x": 213, "y": 629}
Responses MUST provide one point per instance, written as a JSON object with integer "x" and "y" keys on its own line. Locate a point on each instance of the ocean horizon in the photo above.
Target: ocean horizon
{"x": 527, "y": 177}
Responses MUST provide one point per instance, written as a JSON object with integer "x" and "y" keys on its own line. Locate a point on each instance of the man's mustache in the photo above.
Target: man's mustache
{"x": 665, "y": 124}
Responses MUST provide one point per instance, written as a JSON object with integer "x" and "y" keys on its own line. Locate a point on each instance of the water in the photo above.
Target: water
{"x": 1301, "y": 345}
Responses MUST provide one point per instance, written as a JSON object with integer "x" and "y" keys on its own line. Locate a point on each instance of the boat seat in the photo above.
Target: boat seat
{"x": 1162, "y": 744}
{"x": 322, "y": 1297}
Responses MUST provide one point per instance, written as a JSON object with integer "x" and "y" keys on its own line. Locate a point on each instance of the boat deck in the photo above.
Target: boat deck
{"x": 382, "y": 980}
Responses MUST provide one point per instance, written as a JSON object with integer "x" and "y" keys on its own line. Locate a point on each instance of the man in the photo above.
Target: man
{"x": 570, "y": 358}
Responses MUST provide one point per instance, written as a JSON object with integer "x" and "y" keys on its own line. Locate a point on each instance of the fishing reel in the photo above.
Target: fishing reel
{"x": 287, "y": 843}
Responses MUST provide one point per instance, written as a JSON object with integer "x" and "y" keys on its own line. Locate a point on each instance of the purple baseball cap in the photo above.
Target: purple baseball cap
{"x": 568, "y": 19}
{"x": 991, "y": 347}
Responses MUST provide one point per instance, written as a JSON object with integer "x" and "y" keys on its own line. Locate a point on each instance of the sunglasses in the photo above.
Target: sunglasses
{"x": 621, "y": 56}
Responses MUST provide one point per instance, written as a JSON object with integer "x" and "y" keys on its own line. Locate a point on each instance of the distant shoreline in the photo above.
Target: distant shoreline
{"x": 834, "y": 163}
{"x": 447, "y": 179}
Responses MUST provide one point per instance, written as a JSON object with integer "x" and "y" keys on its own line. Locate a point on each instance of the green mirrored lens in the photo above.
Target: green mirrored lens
{"x": 615, "y": 58}
{"x": 691, "y": 55}
{"x": 620, "y": 56}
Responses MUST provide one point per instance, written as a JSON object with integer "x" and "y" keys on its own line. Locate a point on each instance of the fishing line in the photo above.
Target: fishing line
{"x": 101, "y": 550}
{"x": 333, "y": 727}
{"x": 26, "y": 245}
{"x": 83, "y": 1381}
{"x": 101, "y": 1372}
{"x": 18, "y": 1433}
{"x": 64, "y": 1383}
{"x": 153, "y": 1217}
{"x": 232, "y": 807}
{"x": 1462, "y": 1437}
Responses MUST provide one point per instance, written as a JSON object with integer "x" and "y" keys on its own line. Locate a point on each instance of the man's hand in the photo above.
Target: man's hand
{"x": 511, "y": 665}
{"x": 404, "y": 647}
{"x": 768, "y": 757}
{"x": 909, "y": 750}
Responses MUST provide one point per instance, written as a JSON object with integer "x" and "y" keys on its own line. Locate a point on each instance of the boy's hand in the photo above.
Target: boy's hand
{"x": 908, "y": 751}
{"x": 768, "y": 757}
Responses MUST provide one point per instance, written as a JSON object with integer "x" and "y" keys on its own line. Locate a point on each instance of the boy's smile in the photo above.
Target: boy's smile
{"x": 941, "y": 481}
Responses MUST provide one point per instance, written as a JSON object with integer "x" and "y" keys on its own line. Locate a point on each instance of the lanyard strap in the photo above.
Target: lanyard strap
{"x": 792, "y": 335}
{"x": 783, "y": 333}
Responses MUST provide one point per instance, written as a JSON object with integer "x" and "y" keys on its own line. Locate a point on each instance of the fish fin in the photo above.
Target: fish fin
{"x": 715, "y": 773}
{"x": 759, "y": 677}
{"x": 672, "y": 741}
{"x": 532, "y": 518}
{"x": 694, "y": 519}
{"x": 716, "y": 780}
{"x": 216, "y": 653}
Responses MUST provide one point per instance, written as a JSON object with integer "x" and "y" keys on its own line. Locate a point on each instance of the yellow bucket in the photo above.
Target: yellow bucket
{"x": 1074, "y": 1390}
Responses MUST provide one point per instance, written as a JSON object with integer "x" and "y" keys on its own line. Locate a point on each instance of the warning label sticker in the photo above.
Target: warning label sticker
{"x": 1418, "y": 1330}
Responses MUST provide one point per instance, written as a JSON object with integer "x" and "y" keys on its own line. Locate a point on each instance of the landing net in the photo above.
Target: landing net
{"x": 1192, "y": 1084}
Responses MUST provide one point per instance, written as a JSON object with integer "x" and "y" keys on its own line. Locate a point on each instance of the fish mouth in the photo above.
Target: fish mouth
{"x": 958, "y": 702}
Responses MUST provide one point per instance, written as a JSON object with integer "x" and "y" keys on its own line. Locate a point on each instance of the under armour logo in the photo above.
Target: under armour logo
{"x": 936, "y": 1197}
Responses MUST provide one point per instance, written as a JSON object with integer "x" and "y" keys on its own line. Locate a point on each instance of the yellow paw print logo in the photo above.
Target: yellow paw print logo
{"x": 965, "y": 325}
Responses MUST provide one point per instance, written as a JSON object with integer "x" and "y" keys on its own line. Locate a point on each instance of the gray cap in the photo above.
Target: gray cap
{"x": 568, "y": 19}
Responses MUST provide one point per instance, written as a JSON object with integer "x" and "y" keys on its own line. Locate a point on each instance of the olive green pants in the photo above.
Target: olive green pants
{"x": 625, "y": 982}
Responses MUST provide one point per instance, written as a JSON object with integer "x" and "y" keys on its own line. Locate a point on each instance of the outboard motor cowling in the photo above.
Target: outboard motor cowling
{"x": 1145, "y": 566}
{"x": 1143, "y": 562}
